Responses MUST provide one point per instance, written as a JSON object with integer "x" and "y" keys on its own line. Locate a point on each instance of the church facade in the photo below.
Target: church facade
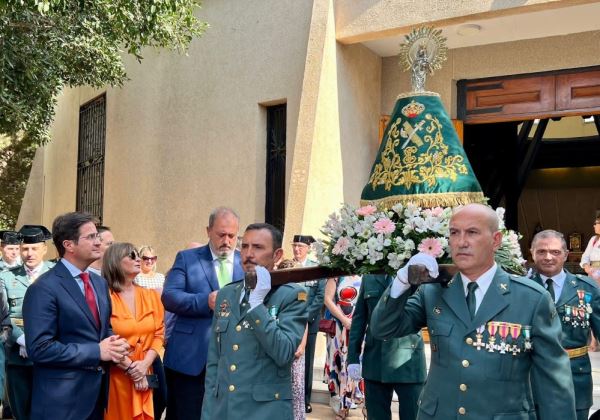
{"x": 276, "y": 111}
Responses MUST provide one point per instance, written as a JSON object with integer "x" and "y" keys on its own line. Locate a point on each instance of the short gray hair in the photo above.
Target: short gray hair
{"x": 549, "y": 233}
{"x": 221, "y": 211}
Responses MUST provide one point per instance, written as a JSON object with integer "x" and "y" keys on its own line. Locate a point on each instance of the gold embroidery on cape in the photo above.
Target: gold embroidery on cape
{"x": 422, "y": 168}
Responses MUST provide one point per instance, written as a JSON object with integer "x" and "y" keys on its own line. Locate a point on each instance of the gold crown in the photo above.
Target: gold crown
{"x": 412, "y": 109}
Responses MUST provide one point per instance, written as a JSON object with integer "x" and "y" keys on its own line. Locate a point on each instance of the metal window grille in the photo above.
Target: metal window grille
{"x": 275, "y": 182}
{"x": 90, "y": 159}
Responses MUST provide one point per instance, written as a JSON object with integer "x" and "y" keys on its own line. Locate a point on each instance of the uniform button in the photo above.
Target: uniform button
{"x": 462, "y": 410}
{"x": 465, "y": 363}
{"x": 463, "y": 387}
{"x": 238, "y": 328}
{"x": 236, "y": 347}
{"x": 257, "y": 321}
{"x": 231, "y": 388}
{"x": 232, "y": 368}
{"x": 469, "y": 341}
{"x": 277, "y": 395}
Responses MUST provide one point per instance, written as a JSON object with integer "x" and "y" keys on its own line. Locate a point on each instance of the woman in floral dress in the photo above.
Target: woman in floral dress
{"x": 340, "y": 299}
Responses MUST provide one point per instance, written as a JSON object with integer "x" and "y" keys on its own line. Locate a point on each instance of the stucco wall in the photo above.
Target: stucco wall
{"x": 364, "y": 20}
{"x": 544, "y": 54}
{"x": 336, "y": 127}
{"x": 188, "y": 133}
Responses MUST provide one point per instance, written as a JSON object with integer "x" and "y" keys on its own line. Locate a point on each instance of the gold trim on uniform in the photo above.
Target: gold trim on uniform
{"x": 577, "y": 352}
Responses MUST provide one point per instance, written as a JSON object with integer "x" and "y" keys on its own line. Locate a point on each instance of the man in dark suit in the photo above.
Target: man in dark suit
{"x": 190, "y": 293}
{"x": 577, "y": 300}
{"x": 316, "y": 292}
{"x": 495, "y": 338}
{"x": 19, "y": 369}
{"x": 66, "y": 315}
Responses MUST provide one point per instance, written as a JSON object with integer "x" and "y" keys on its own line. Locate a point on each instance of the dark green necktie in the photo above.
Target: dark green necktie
{"x": 550, "y": 287}
{"x": 471, "y": 301}
{"x": 245, "y": 306}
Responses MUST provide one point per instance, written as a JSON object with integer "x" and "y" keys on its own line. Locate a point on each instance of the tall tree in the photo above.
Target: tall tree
{"x": 46, "y": 45}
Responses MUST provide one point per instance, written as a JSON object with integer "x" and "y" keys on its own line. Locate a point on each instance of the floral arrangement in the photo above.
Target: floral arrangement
{"x": 369, "y": 239}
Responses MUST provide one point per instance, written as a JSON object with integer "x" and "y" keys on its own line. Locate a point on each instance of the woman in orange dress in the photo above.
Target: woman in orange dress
{"x": 137, "y": 315}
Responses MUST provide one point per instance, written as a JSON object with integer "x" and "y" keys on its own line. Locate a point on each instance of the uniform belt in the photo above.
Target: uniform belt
{"x": 18, "y": 321}
{"x": 595, "y": 264}
{"x": 579, "y": 351}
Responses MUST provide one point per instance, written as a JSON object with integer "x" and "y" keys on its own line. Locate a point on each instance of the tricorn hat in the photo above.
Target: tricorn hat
{"x": 10, "y": 237}
{"x": 304, "y": 239}
{"x": 33, "y": 234}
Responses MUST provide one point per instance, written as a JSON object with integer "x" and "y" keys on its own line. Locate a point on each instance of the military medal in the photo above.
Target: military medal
{"x": 588, "y": 301}
{"x": 567, "y": 316}
{"x": 515, "y": 331}
{"x": 503, "y": 334}
{"x": 273, "y": 311}
{"x": 527, "y": 335}
{"x": 479, "y": 337}
{"x": 580, "y": 295}
{"x": 492, "y": 328}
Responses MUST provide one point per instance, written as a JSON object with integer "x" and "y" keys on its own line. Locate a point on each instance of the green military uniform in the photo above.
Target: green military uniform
{"x": 485, "y": 368}
{"x": 578, "y": 308}
{"x": 314, "y": 304}
{"x": 19, "y": 370}
{"x": 248, "y": 372}
{"x": 392, "y": 365}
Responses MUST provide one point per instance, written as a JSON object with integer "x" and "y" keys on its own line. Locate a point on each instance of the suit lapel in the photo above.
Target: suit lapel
{"x": 102, "y": 300}
{"x": 454, "y": 296}
{"x": 494, "y": 301}
{"x": 569, "y": 290}
{"x": 205, "y": 258}
{"x": 72, "y": 288}
{"x": 238, "y": 272}
{"x": 237, "y": 297}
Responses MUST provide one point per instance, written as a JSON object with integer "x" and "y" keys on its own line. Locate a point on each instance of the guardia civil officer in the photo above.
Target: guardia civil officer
{"x": 316, "y": 292}
{"x": 19, "y": 369}
{"x": 391, "y": 365}
{"x": 254, "y": 336}
{"x": 577, "y": 300}
{"x": 9, "y": 250}
{"x": 494, "y": 336}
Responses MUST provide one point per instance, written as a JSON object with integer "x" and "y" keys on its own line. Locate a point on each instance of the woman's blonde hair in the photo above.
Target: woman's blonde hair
{"x": 111, "y": 264}
{"x": 151, "y": 250}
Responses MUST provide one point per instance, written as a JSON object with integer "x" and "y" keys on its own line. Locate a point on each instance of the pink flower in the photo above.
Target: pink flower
{"x": 366, "y": 210}
{"x": 341, "y": 246}
{"x": 437, "y": 211}
{"x": 384, "y": 225}
{"x": 431, "y": 246}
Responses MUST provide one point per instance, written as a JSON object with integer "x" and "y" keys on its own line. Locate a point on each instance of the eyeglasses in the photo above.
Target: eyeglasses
{"x": 150, "y": 258}
{"x": 91, "y": 237}
{"x": 133, "y": 255}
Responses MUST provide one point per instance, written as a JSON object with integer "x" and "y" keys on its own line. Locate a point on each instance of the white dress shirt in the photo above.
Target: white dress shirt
{"x": 558, "y": 280}
{"x": 483, "y": 284}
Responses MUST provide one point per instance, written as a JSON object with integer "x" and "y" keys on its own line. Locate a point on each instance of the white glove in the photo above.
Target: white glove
{"x": 22, "y": 352}
{"x": 400, "y": 284}
{"x": 354, "y": 371}
{"x": 21, "y": 340}
{"x": 263, "y": 286}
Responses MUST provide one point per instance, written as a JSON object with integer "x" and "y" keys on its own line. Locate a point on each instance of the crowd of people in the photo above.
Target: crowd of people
{"x": 100, "y": 334}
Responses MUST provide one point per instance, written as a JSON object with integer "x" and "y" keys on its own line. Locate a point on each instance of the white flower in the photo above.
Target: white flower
{"x": 394, "y": 260}
{"x": 409, "y": 245}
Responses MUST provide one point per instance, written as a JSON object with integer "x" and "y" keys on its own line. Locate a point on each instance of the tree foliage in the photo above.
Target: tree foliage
{"x": 46, "y": 45}
{"x": 16, "y": 157}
